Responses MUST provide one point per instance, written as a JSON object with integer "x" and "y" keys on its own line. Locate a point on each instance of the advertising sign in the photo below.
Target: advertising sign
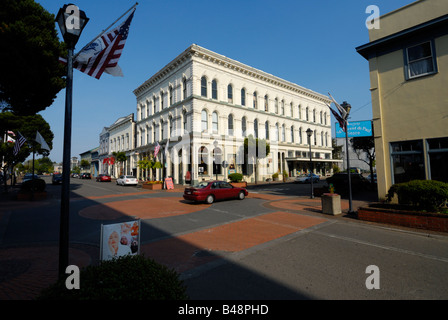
{"x": 355, "y": 129}
{"x": 120, "y": 239}
{"x": 169, "y": 183}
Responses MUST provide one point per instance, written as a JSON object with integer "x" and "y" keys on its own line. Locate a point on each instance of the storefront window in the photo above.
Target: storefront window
{"x": 438, "y": 159}
{"x": 407, "y": 161}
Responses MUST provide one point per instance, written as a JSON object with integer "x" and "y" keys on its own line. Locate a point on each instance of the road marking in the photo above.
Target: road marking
{"x": 367, "y": 243}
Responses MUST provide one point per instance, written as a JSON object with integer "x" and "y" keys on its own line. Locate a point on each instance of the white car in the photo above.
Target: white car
{"x": 305, "y": 178}
{"x": 125, "y": 180}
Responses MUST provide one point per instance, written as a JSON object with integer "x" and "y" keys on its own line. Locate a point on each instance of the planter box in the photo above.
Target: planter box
{"x": 239, "y": 184}
{"x": 404, "y": 218}
{"x": 331, "y": 203}
{"x": 155, "y": 186}
{"x": 29, "y": 196}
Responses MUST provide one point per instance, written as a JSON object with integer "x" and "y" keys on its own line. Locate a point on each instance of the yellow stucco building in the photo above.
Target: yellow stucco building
{"x": 408, "y": 65}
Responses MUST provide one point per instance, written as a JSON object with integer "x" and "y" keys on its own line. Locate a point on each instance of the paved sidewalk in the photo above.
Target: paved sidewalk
{"x": 26, "y": 270}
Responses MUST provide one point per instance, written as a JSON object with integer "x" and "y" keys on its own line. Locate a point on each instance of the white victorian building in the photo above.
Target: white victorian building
{"x": 203, "y": 105}
{"x": 118, "y": 137}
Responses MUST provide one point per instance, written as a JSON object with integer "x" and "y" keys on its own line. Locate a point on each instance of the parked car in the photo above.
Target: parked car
{"x": 370, "y": 179}
{"x": 125, "y": 180}
{"x": 85, "y": 175}
{"x": 306, "y": 178}
{"x": 56, "y": 178}
{"x": 340, "y": 182}
{"x": 209, "y": 191}
{"x": 29, "y": 176}
{"x": 103, "y": 178}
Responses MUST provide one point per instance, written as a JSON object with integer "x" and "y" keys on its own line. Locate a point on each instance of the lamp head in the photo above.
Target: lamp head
{"x": 71, "y": 22}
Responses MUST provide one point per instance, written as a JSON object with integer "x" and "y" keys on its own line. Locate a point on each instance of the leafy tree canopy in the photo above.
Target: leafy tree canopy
{"x": 31, "y": 75}
{"x": 27, "y": 126}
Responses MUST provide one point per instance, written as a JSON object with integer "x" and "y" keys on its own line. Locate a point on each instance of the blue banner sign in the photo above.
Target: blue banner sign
{"x": 355, "y": 129}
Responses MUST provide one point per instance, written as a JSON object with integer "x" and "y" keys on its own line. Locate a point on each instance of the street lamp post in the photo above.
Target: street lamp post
{"x": 347, "y": 108}
{"x": 309, "y": 132}
{"x": 71, "y": 22}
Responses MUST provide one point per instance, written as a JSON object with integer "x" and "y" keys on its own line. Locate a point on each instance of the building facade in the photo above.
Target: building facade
{"x": 407, "y": 58}
{"x": 200, "y": 108}
{"x": 118, "y": 137}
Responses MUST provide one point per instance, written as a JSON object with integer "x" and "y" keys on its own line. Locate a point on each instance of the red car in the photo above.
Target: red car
{"x": 209, "y": 191}
{"x": 103, "y": 178}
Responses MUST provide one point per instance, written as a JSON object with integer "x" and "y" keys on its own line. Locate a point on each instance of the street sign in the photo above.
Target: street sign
{"x": 355, "y": 129}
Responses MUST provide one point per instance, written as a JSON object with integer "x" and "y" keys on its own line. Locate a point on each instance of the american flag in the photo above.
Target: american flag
{"x": 19, "y": 143}
{"x": 102, "y": 54}
{"x": 342, "y": 122}
{"x": 156, "y": 149}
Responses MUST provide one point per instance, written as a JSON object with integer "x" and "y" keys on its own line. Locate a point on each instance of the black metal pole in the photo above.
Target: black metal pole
{"x": 65, "y": 195}
{"x": 350, "y": 211}
{"x": 311, "y": 169}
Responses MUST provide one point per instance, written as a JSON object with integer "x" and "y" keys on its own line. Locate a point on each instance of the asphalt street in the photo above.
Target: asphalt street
{"x": 258, "y": 248}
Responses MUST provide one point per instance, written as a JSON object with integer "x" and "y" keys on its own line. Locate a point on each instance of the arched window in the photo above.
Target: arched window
{"x": 266, "y": 103}
{"x": 300, "y": 112}
{"x": 283, "y": 133}
{"x": 203, "y": 160}
{"x": 291, "y": 109}
{"x": 204, "y": 121}
{"x": 322, "y": 138}
{"x": 229, "y": 93}
{"x": 204, "y": 86}
{"x": 171, "y": 124}
{"x": 162, "y": 106}
{"x": 243, "y": 97}
{"x": 266, "y": 130}
{"x": 214, "y": 90}
{"x": 276, "y": 105}
{"x": 292, "y": 134}
{"x": 243, "y": 126}
{"x": 283, "y": 107}
{"x": 230, "y": 125}
{"x": 215, "y": 122}
{"x": 306, "y": 114}
{"x": 184, "y": 88}
{"x": 321, "y": 120}
{"x": 325, "y": 118}
{"x": 255, "y": 100}
{"x": 171, "y": 96}
{"x": 217, "y": 161}
{"x": 184, "y": 120}
{"x": 300, "y": 135}
{"x": 314, "y": 115}
{"x": 256, "y": 128}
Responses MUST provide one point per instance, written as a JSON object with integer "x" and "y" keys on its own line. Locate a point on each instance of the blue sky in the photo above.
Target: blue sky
{"x": 310, "y": 43}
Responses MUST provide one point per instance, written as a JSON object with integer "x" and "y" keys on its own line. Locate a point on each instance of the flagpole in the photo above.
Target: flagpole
{"x": 102, "y": 32}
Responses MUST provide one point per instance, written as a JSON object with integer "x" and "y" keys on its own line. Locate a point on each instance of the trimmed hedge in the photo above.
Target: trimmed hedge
{"x": 235, "y": 177}
{"x": 427, "y": 195}
{"x": 131, "y": 277}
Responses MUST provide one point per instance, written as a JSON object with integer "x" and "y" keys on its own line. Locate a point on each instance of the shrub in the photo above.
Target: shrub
{"x": 275, "y": 175}
{"x": 124, "y": 278}
{"x": 34, "y": 185}
{"x": 428, "y": 195}
{"x": 235, "y": 177}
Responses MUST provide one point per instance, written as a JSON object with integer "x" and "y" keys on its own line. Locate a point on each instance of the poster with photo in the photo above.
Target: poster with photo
{"x": 120, "y": 239}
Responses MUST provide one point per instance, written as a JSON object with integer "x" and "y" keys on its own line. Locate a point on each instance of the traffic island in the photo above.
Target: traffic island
{"x": 331, "y": 203}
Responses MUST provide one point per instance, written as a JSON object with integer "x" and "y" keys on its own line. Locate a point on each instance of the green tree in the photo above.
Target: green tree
{"x": 121, "y": 158}
{"x": 31, "y": 74}
{"x": 254, "y": 150}
{"x": 85, "y": 164}
{"x": 365, "y": 146}
{"x": 27, "y": 126}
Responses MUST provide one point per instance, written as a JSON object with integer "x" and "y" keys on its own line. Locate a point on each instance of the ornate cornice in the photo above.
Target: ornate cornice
{"x": 200, "y": 53}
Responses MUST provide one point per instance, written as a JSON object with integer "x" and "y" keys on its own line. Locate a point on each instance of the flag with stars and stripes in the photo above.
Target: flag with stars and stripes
{"x": 19, "y": 143}
{"x": 156, "y": 149}
{"x": 102, "y": 55}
